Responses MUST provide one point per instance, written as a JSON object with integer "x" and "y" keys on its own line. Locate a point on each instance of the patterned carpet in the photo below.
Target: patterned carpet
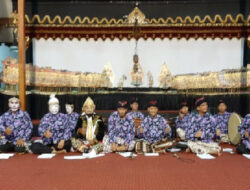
{"x": 115, "y": 172}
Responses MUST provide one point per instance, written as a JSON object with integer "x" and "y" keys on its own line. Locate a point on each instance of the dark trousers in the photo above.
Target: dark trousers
{"x": 9, "y": 147}
{"x": 39, "y": 148}
{"x": 242, "y": 149}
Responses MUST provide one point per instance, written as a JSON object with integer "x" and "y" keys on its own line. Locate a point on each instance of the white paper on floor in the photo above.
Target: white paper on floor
{"x": 127, "y": 154}
{"x": 229, "y": 150}
{"x": 46, "y": 156}
{"x": 6, "y": 155}
{"x": 74, "y": 157}
{"x": 246, "y": 155}
{"x": 151, "y": 154}
{"x": 96, "y": 156}
{"x": 205, "y": 156}
{"x": 92, "y": 154}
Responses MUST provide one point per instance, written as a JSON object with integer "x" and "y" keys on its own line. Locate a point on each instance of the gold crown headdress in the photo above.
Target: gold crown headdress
{"x": 88, "y": 102}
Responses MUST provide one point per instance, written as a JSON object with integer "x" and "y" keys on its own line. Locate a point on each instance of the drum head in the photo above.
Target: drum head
{"x": 233, "y": 125}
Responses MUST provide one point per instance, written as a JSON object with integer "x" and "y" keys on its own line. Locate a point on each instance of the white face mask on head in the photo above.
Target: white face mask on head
{"x": 54, "y": 108}
{"x": 14, "y": 105}
{"x": 69, "y": 109}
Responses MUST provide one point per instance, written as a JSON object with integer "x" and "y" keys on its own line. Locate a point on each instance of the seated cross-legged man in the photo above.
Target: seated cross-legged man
{"x": 90, "y": 129}
{"x": 121, "y": 131}
{"x": 201, "y": 130}
{"x": 15, "y": 128}
{"x": 154, "y": 130}
{"x": 53, "y": 131}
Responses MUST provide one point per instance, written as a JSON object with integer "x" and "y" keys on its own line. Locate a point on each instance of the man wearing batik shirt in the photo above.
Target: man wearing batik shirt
{"x": 181, "y": 122}
{"x": 53, "y": 131}
{"x": 201, "y": 130}
{"x": 135, "y": 114}
{"x": 15, "y": 128}
{"x": 72, "y": 118}
{"x": 244, "y": 130}
{"x": 121, "y": 131}
{"x": 222, "y": 118}
{"x": 154, "y": 127}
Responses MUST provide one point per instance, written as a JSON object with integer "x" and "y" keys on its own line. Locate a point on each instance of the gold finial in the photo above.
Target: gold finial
{"x": 136, "y": 15}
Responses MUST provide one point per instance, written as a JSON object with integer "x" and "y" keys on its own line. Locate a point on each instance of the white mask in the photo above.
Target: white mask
{"x": 14, "y": 105}
{"x": 69, "y": 109}
{"x": 54, "y": 108}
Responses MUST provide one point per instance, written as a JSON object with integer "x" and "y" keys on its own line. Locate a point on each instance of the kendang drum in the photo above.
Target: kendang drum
{"x": 233, "y": 126}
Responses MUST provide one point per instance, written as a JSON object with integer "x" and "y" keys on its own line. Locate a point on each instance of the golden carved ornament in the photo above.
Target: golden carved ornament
{"x": 136, "y": 16}
{"x": 217, "y": 20}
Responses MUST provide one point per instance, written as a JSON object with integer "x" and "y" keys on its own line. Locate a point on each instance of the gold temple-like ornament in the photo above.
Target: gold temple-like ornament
{"x": 103, "y": 28}
{"x": 136, "y": 16}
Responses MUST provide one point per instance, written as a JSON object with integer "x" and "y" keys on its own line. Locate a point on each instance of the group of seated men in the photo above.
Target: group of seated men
{"x": 85, "y": 132}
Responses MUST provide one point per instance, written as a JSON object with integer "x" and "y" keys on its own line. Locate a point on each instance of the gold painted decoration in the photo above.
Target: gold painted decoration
{"x": 136, "y": 16}
{"x": 217, "y": 20}
{"x": 103, "y": 28}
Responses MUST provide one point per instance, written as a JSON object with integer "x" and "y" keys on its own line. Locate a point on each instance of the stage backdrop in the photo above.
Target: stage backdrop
{"x": 181, "y": 56}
